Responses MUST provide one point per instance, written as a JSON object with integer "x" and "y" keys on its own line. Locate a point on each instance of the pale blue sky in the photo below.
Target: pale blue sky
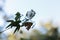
{"x": 49, "y": 9}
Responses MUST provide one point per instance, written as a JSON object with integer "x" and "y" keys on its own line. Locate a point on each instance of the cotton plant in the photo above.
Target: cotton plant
{"x": 20, "y": 23}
